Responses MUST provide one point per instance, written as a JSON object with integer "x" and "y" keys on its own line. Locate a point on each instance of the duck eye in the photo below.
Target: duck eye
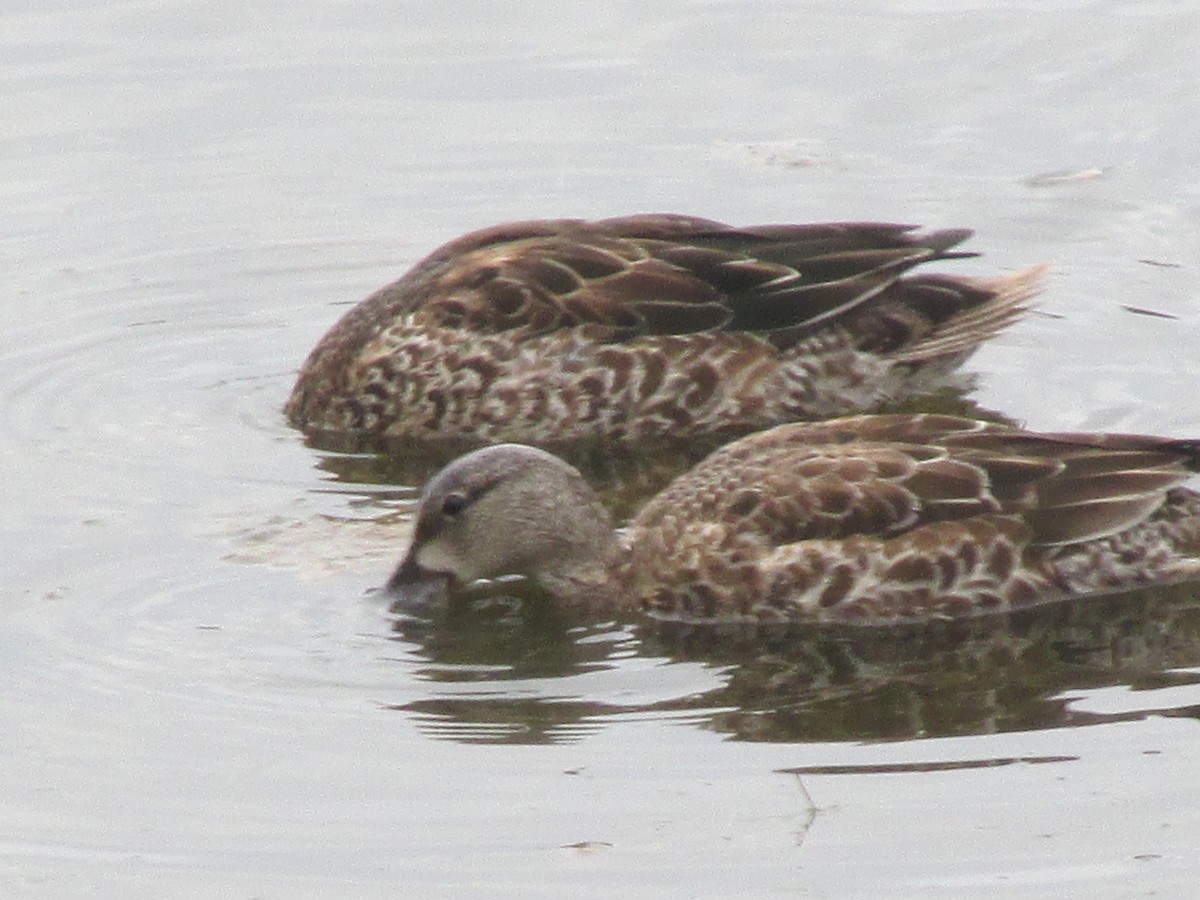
{"x": 453, "y": 504}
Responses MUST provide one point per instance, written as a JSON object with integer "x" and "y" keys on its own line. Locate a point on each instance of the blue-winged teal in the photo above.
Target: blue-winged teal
{"x": 869, "y": 519}
{"x": 646, "y": 327}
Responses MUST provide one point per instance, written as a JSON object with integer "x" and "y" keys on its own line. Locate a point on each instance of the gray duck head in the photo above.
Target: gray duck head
{"x": 509, "y": 509}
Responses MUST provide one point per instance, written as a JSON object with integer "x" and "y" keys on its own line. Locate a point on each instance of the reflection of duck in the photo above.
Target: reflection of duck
{"x": 529, "y": 682}
{"x": 645, "y": 327}
{"x": 1020, "y": 672}
{"x": 872, "y": 518}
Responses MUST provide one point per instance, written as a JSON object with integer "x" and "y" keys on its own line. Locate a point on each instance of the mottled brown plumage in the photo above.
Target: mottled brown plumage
{"x": 649, "y": 327}
{"x": 871, "y": 519}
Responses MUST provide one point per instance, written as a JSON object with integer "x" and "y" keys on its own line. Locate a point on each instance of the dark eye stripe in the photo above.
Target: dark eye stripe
{"x": 432, "y": 520}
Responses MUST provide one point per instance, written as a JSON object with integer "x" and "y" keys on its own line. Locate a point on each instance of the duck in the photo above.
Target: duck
{"x": 873, "y": 519}
{"x": 628, "y": 330}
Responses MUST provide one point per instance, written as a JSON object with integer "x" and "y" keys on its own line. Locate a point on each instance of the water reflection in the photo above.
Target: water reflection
{"x": 505, "y": 669}
{"x": 506, "y": 676}
{"x": 1013, "y": 673}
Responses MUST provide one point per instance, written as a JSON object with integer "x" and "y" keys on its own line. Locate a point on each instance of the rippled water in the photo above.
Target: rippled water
{"x": 203, "y": 698}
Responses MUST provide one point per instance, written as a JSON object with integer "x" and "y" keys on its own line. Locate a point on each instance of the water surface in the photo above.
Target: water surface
{"x": 203, "y": 696}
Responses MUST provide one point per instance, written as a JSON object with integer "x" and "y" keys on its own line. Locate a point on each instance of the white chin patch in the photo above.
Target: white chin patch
{"x": 436, "y": 558}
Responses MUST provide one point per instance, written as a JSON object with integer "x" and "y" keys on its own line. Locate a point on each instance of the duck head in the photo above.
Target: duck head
{"x": 509, "y": 509}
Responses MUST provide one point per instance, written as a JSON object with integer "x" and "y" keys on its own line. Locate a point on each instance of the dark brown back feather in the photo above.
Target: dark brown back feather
{"x": 886, "y": 475}
{"x": 665, "y": 275}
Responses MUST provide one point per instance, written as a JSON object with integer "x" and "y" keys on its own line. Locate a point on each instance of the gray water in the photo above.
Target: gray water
{"x": 203, "y": 698}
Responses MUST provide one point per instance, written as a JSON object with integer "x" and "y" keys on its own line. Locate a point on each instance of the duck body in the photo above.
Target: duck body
{"x": 647, "y": 327}
{"x": 868, "y": 519}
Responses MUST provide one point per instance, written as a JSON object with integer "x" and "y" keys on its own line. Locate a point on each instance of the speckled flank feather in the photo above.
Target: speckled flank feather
{"x": 870, "y": 519}
{"x": 648, "y": 327}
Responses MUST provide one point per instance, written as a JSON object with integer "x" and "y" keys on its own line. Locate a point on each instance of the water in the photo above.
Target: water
{"x": 203, "y": 697}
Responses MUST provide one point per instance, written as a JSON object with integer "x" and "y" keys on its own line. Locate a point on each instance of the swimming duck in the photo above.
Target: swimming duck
{"x": 650, "y": 326}
{"x": 871, "y": 519}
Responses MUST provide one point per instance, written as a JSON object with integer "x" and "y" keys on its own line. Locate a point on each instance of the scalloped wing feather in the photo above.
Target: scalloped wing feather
{"x": 667, "y": 275}
{"x": 882, "y": 475}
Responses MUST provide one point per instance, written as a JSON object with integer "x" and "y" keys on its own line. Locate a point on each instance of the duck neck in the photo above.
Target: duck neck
{"x": 586, "y": 584}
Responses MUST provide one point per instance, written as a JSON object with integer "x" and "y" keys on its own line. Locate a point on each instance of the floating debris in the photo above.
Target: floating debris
{"x": 784, "y": 154}
{"x": 1063, "y": 176}
{"x": 1143, "y": 311}
{"x": 939, "y": 766}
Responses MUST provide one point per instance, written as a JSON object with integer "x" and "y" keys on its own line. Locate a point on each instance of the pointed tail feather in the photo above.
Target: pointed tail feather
{"x": 964, "y": 332}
